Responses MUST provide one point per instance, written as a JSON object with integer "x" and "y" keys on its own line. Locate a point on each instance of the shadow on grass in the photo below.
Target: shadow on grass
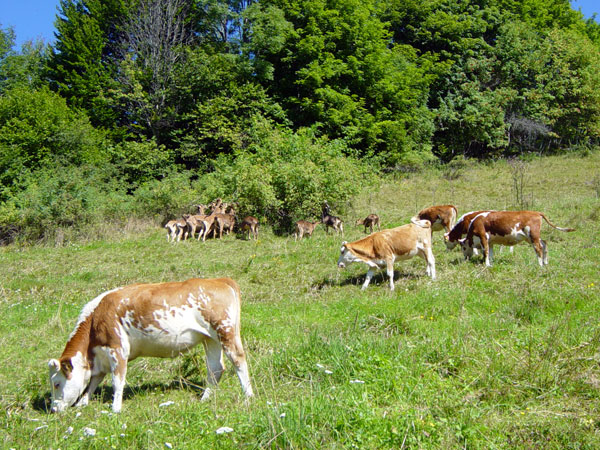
{"x": 104, "y": 394}
{"x": 380, "y": 278}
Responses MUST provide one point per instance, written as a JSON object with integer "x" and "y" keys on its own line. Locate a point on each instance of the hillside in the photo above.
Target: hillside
{"x": 506, "y": 357}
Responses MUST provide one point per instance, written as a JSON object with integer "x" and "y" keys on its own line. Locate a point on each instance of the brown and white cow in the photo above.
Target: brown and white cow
{"x": 507, "y": 228}
{"x": 453, "y": 237}
{"x": 383, "y": 248}
{"x": 162, "y": 320}
{"x": 440, "y": 216}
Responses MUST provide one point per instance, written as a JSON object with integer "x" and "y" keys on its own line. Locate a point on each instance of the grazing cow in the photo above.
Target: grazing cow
{"x": 441, "y": 217}
{"x": 250, "y": 224}
{"x": 162, "y": 320}
{"x": 383, "y": 248}
{"x": 369, "y": 222}
{"x": 331, "y": 221}
{"x": 304, "y": 227}
{"x": 507, "y": 228}
{"x": 462, "y": 226}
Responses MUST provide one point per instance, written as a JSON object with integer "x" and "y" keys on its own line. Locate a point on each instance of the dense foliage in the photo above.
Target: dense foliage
{"x": 148, "y": 90}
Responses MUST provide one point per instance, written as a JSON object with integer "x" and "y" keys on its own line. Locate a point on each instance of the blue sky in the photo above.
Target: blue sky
{"x": 33, "y": 19}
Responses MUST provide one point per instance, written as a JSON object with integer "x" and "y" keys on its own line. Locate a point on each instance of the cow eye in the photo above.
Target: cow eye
{"x": 56, "y": 385}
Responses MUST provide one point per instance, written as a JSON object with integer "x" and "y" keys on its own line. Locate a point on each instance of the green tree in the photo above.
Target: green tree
{"x": 38, "y": 128}
{"x": 82, "y": 64}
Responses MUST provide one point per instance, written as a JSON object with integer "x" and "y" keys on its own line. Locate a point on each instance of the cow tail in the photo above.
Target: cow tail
{"x": 554, "y": 226}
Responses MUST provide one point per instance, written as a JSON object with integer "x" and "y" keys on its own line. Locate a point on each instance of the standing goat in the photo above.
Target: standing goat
{"x": 331, "y": 221}
{"x": 369, "y": 222}
{"x": 304, "y": 227}
{"x": 250, "y": 224}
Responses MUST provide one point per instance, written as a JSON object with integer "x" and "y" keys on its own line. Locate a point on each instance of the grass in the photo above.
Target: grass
{"x": 506, "y": 357}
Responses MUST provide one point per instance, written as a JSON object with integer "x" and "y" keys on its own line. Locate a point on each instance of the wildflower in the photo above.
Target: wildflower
{"x": 223, "y": 430}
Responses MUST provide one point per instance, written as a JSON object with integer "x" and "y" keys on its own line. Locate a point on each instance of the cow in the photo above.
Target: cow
{"x": 372, "y": 220}
{"x": 384, "y": 247}
{"x": 452, "y": 237}
{"x": 507, "y": 228}
{"x": 161, "y": 320}
{"x": 440, "y": 216}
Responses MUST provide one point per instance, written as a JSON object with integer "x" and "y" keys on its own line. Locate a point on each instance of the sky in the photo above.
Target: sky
{"x": 33, "y": 19}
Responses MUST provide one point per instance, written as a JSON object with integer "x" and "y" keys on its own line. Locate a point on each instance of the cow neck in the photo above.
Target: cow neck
{"x": 79, "y": 341}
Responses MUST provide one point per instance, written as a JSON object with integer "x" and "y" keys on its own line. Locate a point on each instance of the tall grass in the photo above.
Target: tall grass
{"x": 505, "y": 357}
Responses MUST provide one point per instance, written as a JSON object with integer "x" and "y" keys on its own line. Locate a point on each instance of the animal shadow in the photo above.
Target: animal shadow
{"x": 104, "y": 393}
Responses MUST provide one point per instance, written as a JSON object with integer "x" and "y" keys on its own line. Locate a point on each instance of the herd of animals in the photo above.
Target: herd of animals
{"x": 167, "y": 319}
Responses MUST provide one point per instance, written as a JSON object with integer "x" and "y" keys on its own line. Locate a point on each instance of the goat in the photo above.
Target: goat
{"x": 304, "y": 227}
{"x": 331, "y": 221}
{"x": 369, "y": 222}
{"x": 250, "y": 224}
{"x": 195, "y": 223}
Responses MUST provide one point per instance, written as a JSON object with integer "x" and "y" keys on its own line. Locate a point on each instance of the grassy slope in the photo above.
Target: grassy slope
{"x": 505, "y": 357}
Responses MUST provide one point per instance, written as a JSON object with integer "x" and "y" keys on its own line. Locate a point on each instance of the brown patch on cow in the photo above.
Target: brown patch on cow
{"x": 440, "y": 216}
{"x": 462, "y": 227}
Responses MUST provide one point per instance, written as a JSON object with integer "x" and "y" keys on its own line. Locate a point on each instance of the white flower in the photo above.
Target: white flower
{"x": 89, "y": 431}
{"x": 168, "y": 445}
{"x": 169, "y": 403}
{"x": 357, "y": 382}
{"x": 223, "y": 430}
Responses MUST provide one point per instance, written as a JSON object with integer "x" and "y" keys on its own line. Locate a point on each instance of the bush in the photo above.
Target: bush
{"x": 56, "y": 197}
{"x": 38, "y": 128}
{"x": 166, "y": 198}
{"x": 285, "y": 176}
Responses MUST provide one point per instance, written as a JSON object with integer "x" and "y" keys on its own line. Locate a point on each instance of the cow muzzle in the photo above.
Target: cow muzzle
{"x": 341, "y": 265}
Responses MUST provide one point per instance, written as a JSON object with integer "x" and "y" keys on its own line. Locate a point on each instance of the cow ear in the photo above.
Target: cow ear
{"x": 66, "y": 367}
{"x": 54, "y": 365}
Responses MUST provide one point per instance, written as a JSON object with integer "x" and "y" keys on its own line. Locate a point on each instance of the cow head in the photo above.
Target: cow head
{"x": 466, "y": 247}
{"x": 449, "y": 244}
{"x": 346, "y": 256}
{"x": 68, "y": 381}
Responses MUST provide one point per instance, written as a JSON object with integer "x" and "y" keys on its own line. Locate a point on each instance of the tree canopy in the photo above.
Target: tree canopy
{"x": 152, "y": 87}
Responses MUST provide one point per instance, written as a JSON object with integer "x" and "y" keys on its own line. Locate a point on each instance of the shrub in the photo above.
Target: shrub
{"x": 37, "y": 128}
{"x": 56, "y": 197}
{"x": 285, "y": 176}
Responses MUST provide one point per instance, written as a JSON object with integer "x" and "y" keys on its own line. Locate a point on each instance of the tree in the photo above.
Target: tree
{"x": 151, "y": 46}
{"x": 38, "y": 128}
{"x": 81, "y": 67}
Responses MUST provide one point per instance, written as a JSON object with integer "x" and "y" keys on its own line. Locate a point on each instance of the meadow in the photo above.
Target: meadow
{"x": 502, "y": 357}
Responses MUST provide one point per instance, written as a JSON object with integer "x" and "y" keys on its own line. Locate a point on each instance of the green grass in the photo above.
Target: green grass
{"x": 506, "y": 357}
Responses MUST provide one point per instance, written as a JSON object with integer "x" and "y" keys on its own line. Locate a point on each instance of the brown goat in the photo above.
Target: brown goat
{"x": 369, "y": 222}
{"x": 304, "y": 227}
{"x": 250, "y": 224}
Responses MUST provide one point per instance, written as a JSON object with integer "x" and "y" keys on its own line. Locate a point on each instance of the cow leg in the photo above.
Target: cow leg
{"x": 370, "y": 274}
{"x": 486, "y": 251}
{"x": 390, "y": 273}
{"x": 430, "y": 259}
{"x": 214, "y": 365}
{"x": 538, "y": 247}
{"x": 545, "y": 250}
{"x": 235, "y": 352}
{"x": 118, "y": 368}
{"x": 94, "y": 382}
{"x": 491, "y": 253}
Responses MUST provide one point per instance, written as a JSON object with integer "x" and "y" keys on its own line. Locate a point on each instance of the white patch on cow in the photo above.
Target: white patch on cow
{"x": 179, "y": 329}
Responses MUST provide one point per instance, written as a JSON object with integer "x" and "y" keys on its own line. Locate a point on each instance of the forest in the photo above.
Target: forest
{"x": 142, "y": 108}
